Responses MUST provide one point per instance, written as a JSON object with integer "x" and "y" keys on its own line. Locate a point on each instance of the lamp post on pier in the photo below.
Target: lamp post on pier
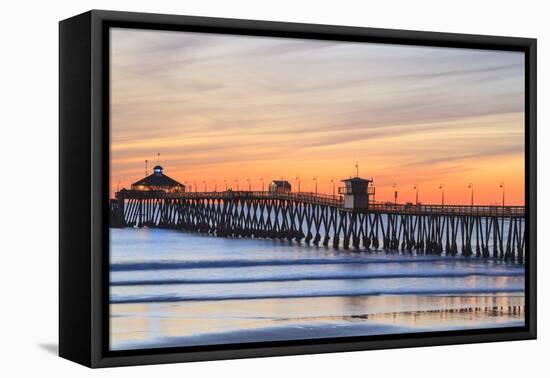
{"x": 237, "y": 181}
{"x": 442, "y": 188}
{"x": 394, "y": 186}
{"x": 333, "y": 187}
{"x": 471, "y": 186}
{"x": 502, "y": 187}
{"x": 249, "y": 185}
{"x": 315, "y": 179}
{"x": 225, "y": 181}
{"x": 297, "y": 178}
{"x": 262, "y": 180}
{"x": 416, "y": 188}
{"x": 195, "y": 185}
{"x": 204, "y": 182}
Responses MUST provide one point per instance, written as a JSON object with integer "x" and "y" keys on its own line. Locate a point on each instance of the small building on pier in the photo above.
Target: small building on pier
{"x": 158, "y": 181}
{"x": 357, "y": 192}
{"x": 280, "y": 186}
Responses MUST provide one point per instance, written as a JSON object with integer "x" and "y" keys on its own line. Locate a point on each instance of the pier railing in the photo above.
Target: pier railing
{"x": 481, "y": 211}
{"x": 336, "y": 201}
{"x": 321, "y": 199}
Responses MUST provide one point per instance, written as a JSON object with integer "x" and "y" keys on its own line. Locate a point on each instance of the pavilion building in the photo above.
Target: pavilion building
{"x": 158, "y": 181}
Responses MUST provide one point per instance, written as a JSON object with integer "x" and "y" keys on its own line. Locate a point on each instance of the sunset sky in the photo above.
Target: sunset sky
{"x": 221, "y": 107}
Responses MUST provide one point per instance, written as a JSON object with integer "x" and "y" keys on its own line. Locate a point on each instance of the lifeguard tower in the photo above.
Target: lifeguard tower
{"x": 357, "y": 192}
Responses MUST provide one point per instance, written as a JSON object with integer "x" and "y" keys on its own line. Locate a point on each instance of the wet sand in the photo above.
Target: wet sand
{"x": 153, "y": 325}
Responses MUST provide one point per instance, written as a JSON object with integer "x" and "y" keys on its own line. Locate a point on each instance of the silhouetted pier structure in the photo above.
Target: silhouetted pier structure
{"x": 348, "y": 221}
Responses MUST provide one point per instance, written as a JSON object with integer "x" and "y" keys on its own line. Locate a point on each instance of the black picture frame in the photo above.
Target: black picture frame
{"x": 84, "y": 176}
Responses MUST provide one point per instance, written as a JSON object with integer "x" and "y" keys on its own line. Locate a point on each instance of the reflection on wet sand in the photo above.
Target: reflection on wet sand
{"x": 149, "y": 325}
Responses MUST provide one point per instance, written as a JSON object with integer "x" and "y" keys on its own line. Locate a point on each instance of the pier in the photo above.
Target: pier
{"x": 350, "y": 220}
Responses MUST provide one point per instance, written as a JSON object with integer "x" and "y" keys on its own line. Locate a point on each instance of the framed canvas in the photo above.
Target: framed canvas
{"x": 235, "y": 188}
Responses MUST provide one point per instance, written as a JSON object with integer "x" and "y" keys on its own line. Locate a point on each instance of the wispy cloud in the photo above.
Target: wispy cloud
{"x": 217, "y": 104}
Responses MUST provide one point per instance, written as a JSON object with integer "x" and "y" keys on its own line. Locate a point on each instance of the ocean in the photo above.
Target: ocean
{"x": 170, "y": 288}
